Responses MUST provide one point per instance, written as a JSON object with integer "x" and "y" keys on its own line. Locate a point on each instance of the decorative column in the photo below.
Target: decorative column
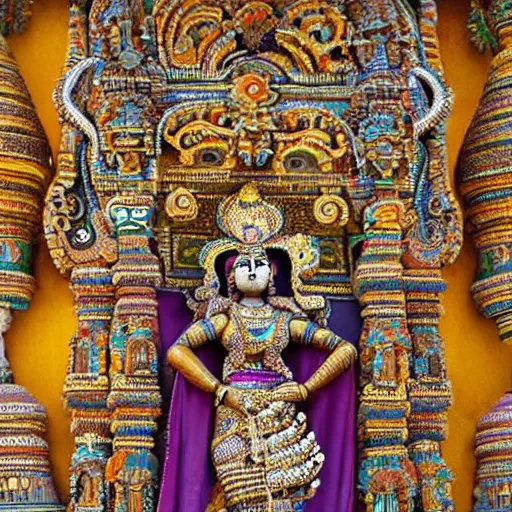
{"x": 486, "y": 168}
{"x": 86, "y": 389}
{"x": 24, "y": 172}
{"x": 486, "y": 184}
{"x": 428, "y": 388}
{"x": 26, "y": 482}
{"x": 387, "y": 477}
{"x": 134, "y": 397}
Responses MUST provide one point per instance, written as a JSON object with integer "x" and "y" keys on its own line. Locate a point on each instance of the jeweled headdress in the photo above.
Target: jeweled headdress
{"x": 251, "y": 225}
{"x": 248, "y": 218}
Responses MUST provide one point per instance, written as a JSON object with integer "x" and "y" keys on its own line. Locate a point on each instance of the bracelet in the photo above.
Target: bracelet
{"x": 220, "y": 395}
{"x": 304, "y": 393}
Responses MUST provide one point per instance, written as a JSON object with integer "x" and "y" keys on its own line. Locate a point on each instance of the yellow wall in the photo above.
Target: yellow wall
{"x": 479, "y": 365}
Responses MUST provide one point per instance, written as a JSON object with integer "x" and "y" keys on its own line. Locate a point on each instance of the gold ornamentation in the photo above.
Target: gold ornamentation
{"x": 249, "y": 219}
{"x": 331, "y": 210}
{"x": 181, "y": 205}
{"x": 261, "y": 451}
{"x": 251, "y": 222}
{"x": 251, "y": 90}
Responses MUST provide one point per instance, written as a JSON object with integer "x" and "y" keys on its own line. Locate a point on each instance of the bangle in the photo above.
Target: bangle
{"x": 304, "y": 393}
{"x": 220, "y": 395}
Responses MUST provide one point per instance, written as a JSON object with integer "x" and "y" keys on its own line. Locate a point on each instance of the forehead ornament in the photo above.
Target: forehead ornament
{"x": 249, "y": 219}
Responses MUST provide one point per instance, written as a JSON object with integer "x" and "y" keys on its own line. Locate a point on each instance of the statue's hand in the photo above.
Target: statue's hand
{"x": 290, "y": 392}
{"x": 234, "y": 400}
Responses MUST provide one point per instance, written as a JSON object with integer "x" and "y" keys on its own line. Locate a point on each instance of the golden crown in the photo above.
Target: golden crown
{"x": 249, "y": 219}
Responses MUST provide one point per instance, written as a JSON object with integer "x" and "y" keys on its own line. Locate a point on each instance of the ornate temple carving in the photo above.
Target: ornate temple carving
{"x": 485, "y": 166}
{"x": 493, "y": 492}
{"x": 25, "y": 477}
{"x": 486, "y": 184}
{"x": 337, "y": 112}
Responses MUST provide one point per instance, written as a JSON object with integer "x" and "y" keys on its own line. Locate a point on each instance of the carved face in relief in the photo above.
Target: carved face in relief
{"x": 131, "y": 218}
{"x": 252, "y": 274}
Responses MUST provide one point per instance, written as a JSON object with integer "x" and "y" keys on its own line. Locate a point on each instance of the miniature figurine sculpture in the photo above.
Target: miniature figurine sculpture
{"x": 264, "y": 457}
{"x": 493, "y": 450}
{"x": 336, "y": 111}
{"x": 25, "y": 479}
{"x": 486, "y": 167}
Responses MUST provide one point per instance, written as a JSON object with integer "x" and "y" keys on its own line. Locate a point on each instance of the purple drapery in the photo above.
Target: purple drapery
{"x": 188, "y": 474}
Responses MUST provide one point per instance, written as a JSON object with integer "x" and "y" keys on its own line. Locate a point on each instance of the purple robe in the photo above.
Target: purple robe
{"x": 188, "y": 474}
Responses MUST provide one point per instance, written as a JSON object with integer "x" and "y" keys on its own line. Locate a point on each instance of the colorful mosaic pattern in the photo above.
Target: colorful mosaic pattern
{"x": 493, "y": 450}
{"x": 25, "y": 478}
{"x": 486, "y": 169}
{"x": 337, "y": 111}
{"x": 24, "y": 174}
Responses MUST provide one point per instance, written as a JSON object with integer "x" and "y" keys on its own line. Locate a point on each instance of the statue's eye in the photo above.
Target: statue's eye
{"x": 300, "y": 161}
{"x": 261, "y": 263}
{"x": 211, "y": 157}
{"x": 82, "y": 236}
{"x": 139, "y": 213}
{"x": 121, "y": 214}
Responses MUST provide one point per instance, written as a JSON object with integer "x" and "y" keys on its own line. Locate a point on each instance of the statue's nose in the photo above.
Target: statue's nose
{"x": 252, "y": 277}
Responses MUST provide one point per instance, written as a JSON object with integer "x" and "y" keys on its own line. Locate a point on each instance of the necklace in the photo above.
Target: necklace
{"x": 252, "y": 302}
{"x": 256, "y": 338}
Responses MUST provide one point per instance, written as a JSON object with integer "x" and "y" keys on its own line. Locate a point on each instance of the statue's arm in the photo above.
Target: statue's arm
{"x": 306, "y": 332}
{"x": 182, "y": 358}
{"x": 342, "y": 356}
{"x": 200, "y": 333}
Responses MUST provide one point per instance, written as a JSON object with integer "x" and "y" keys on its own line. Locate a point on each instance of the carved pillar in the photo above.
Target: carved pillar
{"x": 86, "y": 389}
{"x": 25, "y": 475}
{"x": 387, "y": 476}
{"x": 134, "y": 397}
{"x": 428, "y": 388}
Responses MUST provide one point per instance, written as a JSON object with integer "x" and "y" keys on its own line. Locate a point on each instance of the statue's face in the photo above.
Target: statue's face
{"x": 252, "y": 274}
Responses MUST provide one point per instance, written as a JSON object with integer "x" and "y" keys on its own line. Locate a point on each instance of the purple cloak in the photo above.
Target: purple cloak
{"x": 188, "y": 475}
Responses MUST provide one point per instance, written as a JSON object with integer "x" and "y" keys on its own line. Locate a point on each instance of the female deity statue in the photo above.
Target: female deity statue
{"x": 264, "y": 457}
